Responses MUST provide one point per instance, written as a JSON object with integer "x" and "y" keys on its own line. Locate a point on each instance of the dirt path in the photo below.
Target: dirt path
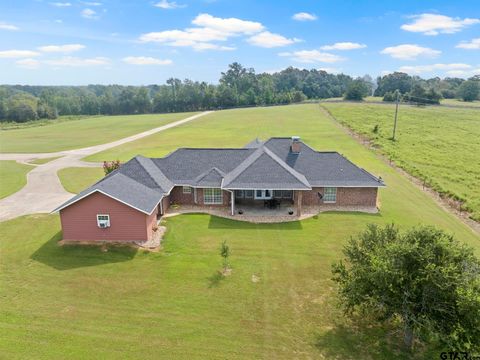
{"x": 43, "y": 191}
{"x": 443, "y": 203}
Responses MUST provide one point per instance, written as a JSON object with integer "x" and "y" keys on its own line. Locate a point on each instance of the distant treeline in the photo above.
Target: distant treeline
{"x": 238, "y": 86}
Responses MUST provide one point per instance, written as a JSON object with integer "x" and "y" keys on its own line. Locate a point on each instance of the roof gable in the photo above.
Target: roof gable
{"x": 212, "y": 177}
{"x": 264, "y": 170}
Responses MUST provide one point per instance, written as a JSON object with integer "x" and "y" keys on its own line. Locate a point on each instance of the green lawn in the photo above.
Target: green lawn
{"x": 80, "y": 302}
{"x": 76, "y": 179}
{"x": 83, "y": 132}
{"x": 440, "y": 145}
{"x": 41, "y": 161}
{"x": 13, "y": 177}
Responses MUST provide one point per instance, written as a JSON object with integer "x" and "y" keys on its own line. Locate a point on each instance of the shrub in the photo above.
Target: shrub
{"x": 109, "y": 166}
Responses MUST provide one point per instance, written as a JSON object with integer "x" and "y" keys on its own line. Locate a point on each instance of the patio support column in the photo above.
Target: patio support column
{"x": 299, "y": 202}
{"x": 233, "y": 202}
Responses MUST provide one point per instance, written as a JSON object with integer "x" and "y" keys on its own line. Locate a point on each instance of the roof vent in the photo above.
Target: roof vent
{"x": 295, "y": 145}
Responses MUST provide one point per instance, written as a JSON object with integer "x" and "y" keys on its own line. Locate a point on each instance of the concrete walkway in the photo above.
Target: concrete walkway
{"x": 44, "y": 192}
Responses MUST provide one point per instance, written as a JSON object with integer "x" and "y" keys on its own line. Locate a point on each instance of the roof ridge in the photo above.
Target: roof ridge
{"x": 146, "y": 164}
{"x": 362, "y": 169}
{"x": 254, "y": 156}
{"x": 205, "y": 173}
{"x": 287, "y": 167}
{"x": 245, "y": 164}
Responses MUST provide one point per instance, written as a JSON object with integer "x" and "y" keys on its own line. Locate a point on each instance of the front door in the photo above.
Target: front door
{"x": 263, "y": 194}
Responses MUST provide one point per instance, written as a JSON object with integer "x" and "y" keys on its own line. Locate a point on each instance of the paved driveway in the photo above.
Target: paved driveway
{"x": 44, "y": 192}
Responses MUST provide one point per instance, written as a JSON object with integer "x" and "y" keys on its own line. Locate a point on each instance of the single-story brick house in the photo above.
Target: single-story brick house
{"x": 125, "y": 205}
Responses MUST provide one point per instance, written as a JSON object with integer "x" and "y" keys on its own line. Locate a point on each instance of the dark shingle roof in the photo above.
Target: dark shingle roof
{"x": 322, "y": 168}
{"x": 142, "y": 182}
{"x": 264, "y": 170}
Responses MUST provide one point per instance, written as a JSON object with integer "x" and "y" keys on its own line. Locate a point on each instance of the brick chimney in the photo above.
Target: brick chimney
{"x": 295, "y": 145}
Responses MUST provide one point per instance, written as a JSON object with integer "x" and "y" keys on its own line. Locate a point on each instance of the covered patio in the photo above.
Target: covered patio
{"x": 265, "y": 202}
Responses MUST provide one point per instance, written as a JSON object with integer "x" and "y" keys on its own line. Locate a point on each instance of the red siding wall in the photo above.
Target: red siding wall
{"x": 79, "y": 220}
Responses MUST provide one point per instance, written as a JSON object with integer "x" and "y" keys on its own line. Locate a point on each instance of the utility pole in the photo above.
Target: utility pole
{"x": 396, "y": 113}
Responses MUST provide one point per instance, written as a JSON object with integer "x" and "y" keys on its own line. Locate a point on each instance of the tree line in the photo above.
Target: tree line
{"x": 238, "y": 86}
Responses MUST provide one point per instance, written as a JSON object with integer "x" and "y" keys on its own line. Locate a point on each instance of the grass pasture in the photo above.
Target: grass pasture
{"x": 13, "y": 177}
{"x": 438, "y": 145}
{"x": 83, "y": 132}
{"x": 81, "y": 302}
{"x": 76, "y": 179}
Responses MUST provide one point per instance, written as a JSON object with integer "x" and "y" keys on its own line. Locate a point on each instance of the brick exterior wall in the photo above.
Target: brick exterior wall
{"x": 79, "y": 220}
{"x": 350, "y": 196}
{"x": 178, "y": 197}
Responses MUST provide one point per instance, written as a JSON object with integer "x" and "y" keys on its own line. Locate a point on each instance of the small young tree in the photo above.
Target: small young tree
{"x": 423, "y": 277}
{"x": 225, "y": 253}
{"x": 109, "y": 166}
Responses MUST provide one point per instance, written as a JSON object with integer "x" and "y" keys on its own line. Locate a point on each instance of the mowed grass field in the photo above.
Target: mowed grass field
{"x": 13, "y": 176}
{"x": 83, "y": 132}
{"x": 438, "y": 145}
{"x": 81, "y": 302}
{"x": 76, "y": 179}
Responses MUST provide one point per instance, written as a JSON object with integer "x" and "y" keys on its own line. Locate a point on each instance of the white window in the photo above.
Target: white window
{"x": 263, "y": 194}
{"x": 187, "y": 190}
{"x": 330, "y": 195}
{"x": 212, "y": 196}
{"x": 103, "y": 221}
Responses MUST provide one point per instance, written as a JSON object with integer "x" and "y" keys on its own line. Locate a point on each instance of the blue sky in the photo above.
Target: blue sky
{"x": 72, "y": 42}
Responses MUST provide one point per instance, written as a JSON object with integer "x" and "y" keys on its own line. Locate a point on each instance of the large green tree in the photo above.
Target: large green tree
{"x": 422, "y": 276}
{"x": 357, "y": 90}
{"x": 469, "y": 90}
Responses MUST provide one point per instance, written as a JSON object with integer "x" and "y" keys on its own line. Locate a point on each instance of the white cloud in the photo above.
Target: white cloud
{"x": 28, "y": 63}
{"x": 144, "y": 60}
{"x": 312, "y": 56}
{"x": 91, "y": 3}
{"x": 344, "y": 46}
{"x": 304, "y": 16}
{"x": 210, "y": 29}
{"x": 434, "y": 24}
{"x": 228, "y": 25}
{"x": 12, "y": 54}
{"x": 77, "y": 62}
{"x": 185, "y": 37}
{"x": 410, "y": 52}
{"x": 61, "y": 48}
{"x": 421, "y": 69}
{"x": 5, "y": 26}
{"x": 89, "y": 14}
{"x": 165, "y": 4}
{"x": 267, "y": 39}
{"x": 473, "y": 44}
{"x": 61, "y": 4}
{"x": 209, "y": 46}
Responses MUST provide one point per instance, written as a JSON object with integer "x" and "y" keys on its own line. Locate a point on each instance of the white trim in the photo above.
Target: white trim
{"x": 349, "y": 186}
{"x": 263, "y": 196}
{"x": 107, "y": 221}
{"x": 213, "y": 196}
{"x": 269, "y": 188}
{"x": 110, "y": 196}
{"x": 188, "y": 188}
{"x": 335, "y": 195}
